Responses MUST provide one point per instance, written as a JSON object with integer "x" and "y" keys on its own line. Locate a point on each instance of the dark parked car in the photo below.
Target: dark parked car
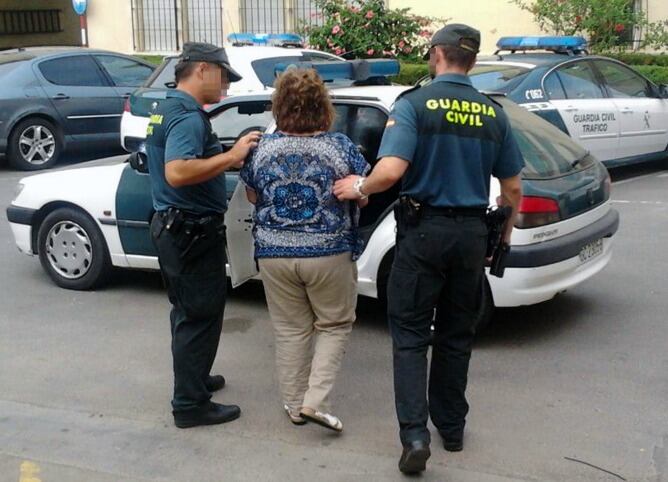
{"x": 57, "y": 98}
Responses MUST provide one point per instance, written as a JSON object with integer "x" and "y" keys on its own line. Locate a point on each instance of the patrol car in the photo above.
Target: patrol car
{"x": 82, "y": 222}
{"x": 254, "y": 56}
{"x": 611, "y": 110}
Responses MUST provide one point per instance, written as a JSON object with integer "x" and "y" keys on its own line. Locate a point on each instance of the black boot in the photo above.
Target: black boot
{"x": 209, "y": 414}
{"x": 452, "y": 443}
{"x": 414, "y": 457}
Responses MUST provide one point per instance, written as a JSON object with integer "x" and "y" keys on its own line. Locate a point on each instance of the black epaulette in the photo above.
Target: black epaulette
{"x": 412, "y": 89}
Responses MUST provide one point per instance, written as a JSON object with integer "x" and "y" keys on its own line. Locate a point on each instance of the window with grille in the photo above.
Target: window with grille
{"x": 25, "y": 22}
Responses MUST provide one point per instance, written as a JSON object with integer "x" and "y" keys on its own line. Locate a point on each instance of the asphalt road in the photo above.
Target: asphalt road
{"x": 85, "y": 379}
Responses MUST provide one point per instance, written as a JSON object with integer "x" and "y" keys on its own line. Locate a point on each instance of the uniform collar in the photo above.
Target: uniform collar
{"x": 189, "y": 99}
{"x": 455, "y": 78}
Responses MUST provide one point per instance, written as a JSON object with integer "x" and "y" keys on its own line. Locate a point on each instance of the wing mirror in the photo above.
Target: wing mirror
{"x": 663, "y": 90}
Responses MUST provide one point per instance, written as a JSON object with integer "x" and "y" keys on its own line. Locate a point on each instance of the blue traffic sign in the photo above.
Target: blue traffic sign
{"x": 80, "y": 6}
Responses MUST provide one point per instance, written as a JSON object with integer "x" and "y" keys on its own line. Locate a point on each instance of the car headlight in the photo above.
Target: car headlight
{"x": 17, "y": 190}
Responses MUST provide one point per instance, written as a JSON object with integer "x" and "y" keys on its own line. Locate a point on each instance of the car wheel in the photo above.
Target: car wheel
{"x": 34, "y": 144}
{"x": 72, "y": 250}
{"x": 486, "y": 309}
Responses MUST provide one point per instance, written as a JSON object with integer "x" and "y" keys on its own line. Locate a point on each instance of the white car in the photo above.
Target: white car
{"x": 255, "y": 64}
{"x": 81, "y": 222}
{"x": 611, "y": 110}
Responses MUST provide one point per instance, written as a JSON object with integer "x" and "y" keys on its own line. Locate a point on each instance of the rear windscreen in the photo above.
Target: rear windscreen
{"x": 547, "y": 151}
{"x": 163, "y": 75}
{"x": 496, "y": 78}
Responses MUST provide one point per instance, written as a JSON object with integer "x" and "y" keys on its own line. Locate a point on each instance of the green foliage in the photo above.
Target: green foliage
{"x": 607, "y": 24}
{"x": 633, "y": 58}
{"x": 410, "y": 73}
{"x": 151, "y": 59}
{"x": 368, "y": 29}
{"x": 655, "y": 73}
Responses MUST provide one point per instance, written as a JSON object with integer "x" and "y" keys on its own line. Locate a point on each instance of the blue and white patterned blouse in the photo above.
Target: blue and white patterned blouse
{"x": 296, "y": 214}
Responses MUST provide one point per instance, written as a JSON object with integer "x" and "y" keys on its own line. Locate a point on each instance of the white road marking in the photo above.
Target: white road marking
{"x": 653, "y": 203}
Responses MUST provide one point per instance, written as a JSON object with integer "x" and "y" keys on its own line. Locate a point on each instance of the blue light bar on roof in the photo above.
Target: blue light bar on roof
{"x": 560, "y": 44}
{"x": 280, "y": 40}
{"x": 357, "y": 70}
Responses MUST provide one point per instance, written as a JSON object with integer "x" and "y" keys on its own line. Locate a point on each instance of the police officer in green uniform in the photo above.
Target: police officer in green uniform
{"x": 445, "y": 140}
{"x": 186, "y": 165}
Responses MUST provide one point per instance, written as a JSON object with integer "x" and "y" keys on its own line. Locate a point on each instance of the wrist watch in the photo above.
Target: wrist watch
{"x": 357, "y": 187}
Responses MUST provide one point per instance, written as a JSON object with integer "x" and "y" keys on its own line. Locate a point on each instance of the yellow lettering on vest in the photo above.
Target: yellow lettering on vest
{"x": 444, "y": 103}
{"x": 466, "y": 106}
{"x": 451, "y": 117}
{"x": 432, "y": 104}
{"x": 462, "y": 118}
{"x": 149, "y": 131}
{"x": 455, "y": 105}
{"x": 476, "y": 108}
{"x": 478, "y": 122}
{"x": 155, "y": 119}
{"x": 491, "y": 112}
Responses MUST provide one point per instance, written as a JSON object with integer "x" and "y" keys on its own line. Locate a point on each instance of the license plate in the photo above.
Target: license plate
{"x": 591, "y": 250}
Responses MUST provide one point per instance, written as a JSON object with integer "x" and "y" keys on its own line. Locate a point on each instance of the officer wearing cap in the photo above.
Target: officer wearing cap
{"x": 186, "y": 166}
{"x": 445, "y": 140}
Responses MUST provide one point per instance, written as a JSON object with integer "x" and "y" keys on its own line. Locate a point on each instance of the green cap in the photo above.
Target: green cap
{"x": 204, "y": 52}
{"x": 457, "y": 35}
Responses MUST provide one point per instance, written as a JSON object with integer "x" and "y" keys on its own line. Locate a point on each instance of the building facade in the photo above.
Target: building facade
{"x": 162, "y": 26}
{"x": 26, "y": 23}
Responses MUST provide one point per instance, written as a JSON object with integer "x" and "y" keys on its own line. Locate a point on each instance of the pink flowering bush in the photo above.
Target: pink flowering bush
{"x": 368, "y": 29}
{"x": 607, "y": 24}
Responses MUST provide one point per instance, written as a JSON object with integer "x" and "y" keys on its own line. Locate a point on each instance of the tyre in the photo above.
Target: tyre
{"x": 487, "y": 308}
{"x": 72, "y": 250}
{"x": 34, "y": 144}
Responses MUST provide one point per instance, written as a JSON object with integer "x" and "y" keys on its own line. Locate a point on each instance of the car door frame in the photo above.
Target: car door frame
{"x": 630, "y": 131}
{"x": 122, "y": 91}
{"x": 133, "y": 218}
{"x": 67, "y": 116}
{"x": 565, "y": 110}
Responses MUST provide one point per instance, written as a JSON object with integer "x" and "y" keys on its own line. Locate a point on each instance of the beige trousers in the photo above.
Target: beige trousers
{"x": 312, "y": 307}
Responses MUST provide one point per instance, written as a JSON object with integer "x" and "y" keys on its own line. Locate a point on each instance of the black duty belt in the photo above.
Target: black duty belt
{"x": 453, "y": 212}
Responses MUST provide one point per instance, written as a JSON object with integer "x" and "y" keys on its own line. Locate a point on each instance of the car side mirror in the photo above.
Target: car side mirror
{"x": 663, "y": 90}
{"x": 139, "y": 162}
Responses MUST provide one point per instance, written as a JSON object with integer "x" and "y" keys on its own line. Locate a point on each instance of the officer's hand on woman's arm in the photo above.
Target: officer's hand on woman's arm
{"x": 185, "y": 172}
{"x": 511, "y": 195}
{"x": 386, "y": 174}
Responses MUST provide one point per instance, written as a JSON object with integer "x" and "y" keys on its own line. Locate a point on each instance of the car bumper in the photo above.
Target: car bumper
{"x": 537, "y": 273}
{"x": 133, "y": 131}
{"x": 20, "y": 222}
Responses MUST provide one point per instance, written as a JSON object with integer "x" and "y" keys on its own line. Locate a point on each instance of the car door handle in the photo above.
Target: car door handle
{"x": 61, "y": 97}
{"x": 626, "y": 110}
{"x": 570, "y": 108}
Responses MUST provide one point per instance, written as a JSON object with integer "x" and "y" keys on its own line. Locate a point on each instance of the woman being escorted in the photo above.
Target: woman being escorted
{"x": 306, "y": 242}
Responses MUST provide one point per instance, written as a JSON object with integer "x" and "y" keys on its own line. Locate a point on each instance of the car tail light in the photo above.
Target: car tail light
{"x": 537, "y": 211}
{"x": 126, "y": 106}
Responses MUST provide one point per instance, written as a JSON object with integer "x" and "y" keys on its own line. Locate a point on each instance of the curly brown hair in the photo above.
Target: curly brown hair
{"x": 301, "y": 103}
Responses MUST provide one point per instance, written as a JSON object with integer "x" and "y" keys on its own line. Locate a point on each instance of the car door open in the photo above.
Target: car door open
{"x": 240, "y": 246}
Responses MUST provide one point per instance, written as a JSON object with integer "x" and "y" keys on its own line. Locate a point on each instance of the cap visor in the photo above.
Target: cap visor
{"x": 232, "y": 74}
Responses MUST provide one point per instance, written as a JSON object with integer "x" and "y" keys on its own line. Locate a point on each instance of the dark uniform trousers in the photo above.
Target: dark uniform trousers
{"x": 197, "y": 288}
{"x": 438, "y": 264}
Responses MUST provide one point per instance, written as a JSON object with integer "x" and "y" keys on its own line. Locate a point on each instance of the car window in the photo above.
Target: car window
{"x": 553, "y": 88}
{"x": 364, "y": 125}
{"x": 547, "y": 151}
{"x": 235, "y": 121}
{"x": 163, "y": 75}
{"x": 579, "y": 81}
{"x": 492, "y": 78}
{"x": 622, "y": 81}
{"x": 77, "y": 70}
{"x": 124, "y": 72}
